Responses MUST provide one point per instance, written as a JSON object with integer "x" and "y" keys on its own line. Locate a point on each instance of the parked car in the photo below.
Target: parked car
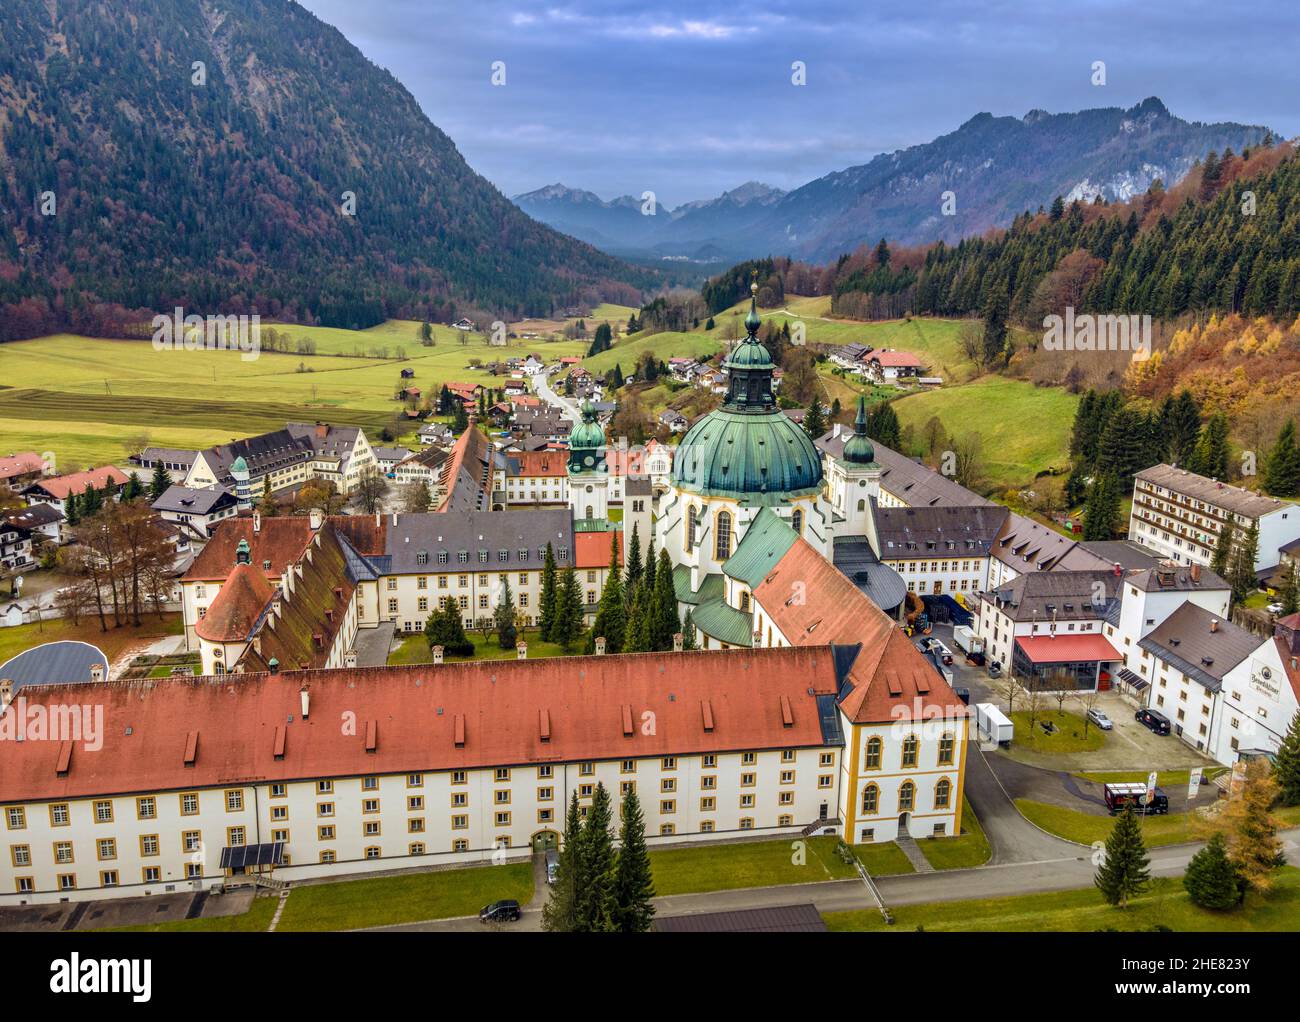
{"x": 943, "y": 651}
{"x": 552, "y": 865}
{"x": 506, "y": 911}
{"x": 1135, "y": 794}
{"x": 975, "y": 659}
{"x": 1275, "y": 608}
{"x": 1153, "y": 719}
{"x": 995, "y": 670}
{"x": 1100, "y": 719}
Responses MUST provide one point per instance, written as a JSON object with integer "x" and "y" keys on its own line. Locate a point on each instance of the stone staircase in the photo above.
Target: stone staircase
{"x": 910, "y": 848}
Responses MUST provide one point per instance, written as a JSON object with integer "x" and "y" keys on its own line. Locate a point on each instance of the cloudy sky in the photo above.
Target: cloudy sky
{"x": 691, "y": 97}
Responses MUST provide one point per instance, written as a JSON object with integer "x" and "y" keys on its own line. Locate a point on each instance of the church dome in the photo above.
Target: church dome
{"x": 587, "y": 443}
{"x": 739, "y": 454}
{"x": 749, "y": 354}
{"x": 858, "y": 449}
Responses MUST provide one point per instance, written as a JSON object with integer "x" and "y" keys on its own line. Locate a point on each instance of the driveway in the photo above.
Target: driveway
{"x": 373, "y": 645}
{"x": 542, "y": 383}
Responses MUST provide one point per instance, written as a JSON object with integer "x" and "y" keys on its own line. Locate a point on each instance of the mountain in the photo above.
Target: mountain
{"x": 694, "y": 230}
{"x": 995, "y": 166}
{"x": 201, "y": 152}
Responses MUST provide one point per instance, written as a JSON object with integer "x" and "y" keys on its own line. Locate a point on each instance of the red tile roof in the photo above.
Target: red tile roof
{"x": 60, "y": 486}
{"x": 811, "y": 602}
{"x": 279, "y": 540}
{"x": 1044, "y": 649}
{"x": 1290, "y": 662}
{"x": 231, "y": 616}
{"x": 21, "y": 464}
{"x": 896, "y": 359}
{"x": 415, "y": 714}
{"x": 541, "y": 463}
{"x": 591, "y": 549}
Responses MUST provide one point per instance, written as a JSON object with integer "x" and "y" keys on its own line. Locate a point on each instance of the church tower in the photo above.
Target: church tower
{"x": 587, "y": 471}
{"x": 855, "y": 481}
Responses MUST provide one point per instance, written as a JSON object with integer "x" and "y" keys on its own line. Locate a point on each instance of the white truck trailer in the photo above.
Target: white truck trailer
{"x": 965, "y": 639}
{"x": 994, "y": 725}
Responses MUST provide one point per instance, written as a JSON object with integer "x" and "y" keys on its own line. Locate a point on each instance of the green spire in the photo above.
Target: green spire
{"x": 752, "y": 322}
{"x": 858, "y": 449}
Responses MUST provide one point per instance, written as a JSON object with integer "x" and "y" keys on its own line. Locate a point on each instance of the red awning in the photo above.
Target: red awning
{"x": 1044, "y": 649}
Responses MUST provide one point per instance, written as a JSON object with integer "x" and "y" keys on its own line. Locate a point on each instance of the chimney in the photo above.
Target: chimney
{"x": 305, "y": 696}
{"x": 96, "y": 672}
{"x": 678, "y": 641}
{"x": 379, "y": 519}
{"x": 1196, "y": 573}
{"x": 521, "y": 651}
{"x": 394, "y": 523}
{"x": 600, "y": 645}
{"x": 257, "y": 521}
{"x": 314, "y": 518}
{"x": 1214, "y": 624}
{"x": 350, "y": 658}
{"x": 437, "y": 654}
{"x": 274, "y": 665}
{"x": 1118, "y": 570}
{"x": 6, "y": 692}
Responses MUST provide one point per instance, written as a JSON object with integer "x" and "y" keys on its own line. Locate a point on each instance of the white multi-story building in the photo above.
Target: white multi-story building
{"x": 1180, "y": 514}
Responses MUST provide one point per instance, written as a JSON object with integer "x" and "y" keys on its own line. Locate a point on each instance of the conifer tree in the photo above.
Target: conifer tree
{"x": 159, "y": 481}
{"x": 883, "y": 425}
{"x": 446, "y": 629}
{"x": 72, "y": 509}
{"x": 1212, "y": 880}
{"x": 638, "y": 637}
{"x": 648, "y": 574}
{"x": 634, "y": 565}
{"x": 596, "y": 867}
{"x": 666, "y": 623}
{"x": 814, "y": 422}
{"x": 504, "y": 618}
{"x": 1289, "y": 593}
{"x": 268, "y": 507}
{"x": 1241, "y": 568}
{"x": 1123, "y": 872}
{"x": 133, "y": 488}
{"x": 546, "y": 608}
{"x": 1286, "y": 765}
{"x": 1222, "y": 556}
{"x": 1101, "y": 513}
{"x": 1211, "y": 455}
{"x": 567, "y": 627}
{"x": 1183, "y": 428}
{"x": 1282, "y": 467}
{"x": 560, "y": 913}
{"x": 611, "y": 616}
{"x": 633, "y": 881}
{"x": 689, "y": 638}
{"x": 1251, "y": 827}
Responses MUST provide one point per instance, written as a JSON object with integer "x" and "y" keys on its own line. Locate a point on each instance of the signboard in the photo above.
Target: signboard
{"x": 1263, "y": 682}
{"x": 1151, "y": 786}
{"x": 1194, "y": 783}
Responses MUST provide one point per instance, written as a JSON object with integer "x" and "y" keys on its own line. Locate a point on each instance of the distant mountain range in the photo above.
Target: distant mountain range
{"x": 244, "y": 156}
{"x": 996, "y": 167}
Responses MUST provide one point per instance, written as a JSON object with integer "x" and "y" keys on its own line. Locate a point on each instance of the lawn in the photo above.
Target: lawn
{"x": 1068, "y": 737}
{"x": 1165, "y": 778}
{"x": 382, "y": 901}
{"x": 1165, "y": 904}
{"x": 111, "y": 643}
{"x": 970, "y": 849}
{"x": 255, "y": 920}
{"x": 883, "y": 858}
{"x": 1024, "y": 429}
{"x": 1085, "y": 828}
{"x": 722, "y": 867}
{"x": 92, "y": 400}
{"x": 665, "y": 345}
{"x": 414, "y": 649}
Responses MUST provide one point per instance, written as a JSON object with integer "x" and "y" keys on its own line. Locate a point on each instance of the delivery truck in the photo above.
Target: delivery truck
{"x": 964, "y": 638}
{"x": 994, "y": 725}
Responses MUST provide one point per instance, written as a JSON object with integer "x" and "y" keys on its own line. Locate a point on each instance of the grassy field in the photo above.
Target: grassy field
{"x": 255, "y": 920}
{"x": 91, "y": 400}
{"x": 1085, "y": 828}
{"x": 722, "y": 867}
{"x": 1165, "y": 904}
{"x": 1025, "y": 429}
{"x": 883, "y": 858}
{"x": 971, "y": 848}
{"x": 414, "y": 649}
{"x": 111, "y": 643}
{"x": 1069, "y": 736}
{"x": 382, "y": 901}
{"x": 1165, "y": 778}
{"x": 665, "y": 345}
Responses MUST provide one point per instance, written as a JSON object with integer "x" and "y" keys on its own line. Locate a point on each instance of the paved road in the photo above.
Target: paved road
{"x": 1011, "y": 836}
{"x": 993, "y": 881}
{"x": 542, "y": 383}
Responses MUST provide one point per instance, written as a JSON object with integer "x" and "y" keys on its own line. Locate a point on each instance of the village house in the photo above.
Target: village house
{"x": 44, "y": 521}
{"x": 17, "y": 470}
{"x": 197, "y": 510}
{"x": 55, "y": 490}
{"x": 889, "y": 366}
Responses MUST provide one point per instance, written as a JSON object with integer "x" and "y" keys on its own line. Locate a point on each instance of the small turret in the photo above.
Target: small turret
{"x": 858, "y": 449}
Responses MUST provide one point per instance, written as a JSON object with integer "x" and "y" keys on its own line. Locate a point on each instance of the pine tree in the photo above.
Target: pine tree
{"x": 1212, "y": 880}
{"x": 814, "y": 422}
{"x": 159, "y": 482}
{"x": 665, "y": 623}
{"x": 1251, "y": 827}
{"x": 1101, "y": 513}
{"x": 633, "y": 882}
{"x": 1222, "y": 556}
{"x": 446, "y": 629}
{"x": 1286, "y": 765}
{"x": 1241, "y": 568}
{"x": 638, "y": 637}
{"x": 133, "y": 488}
{"x": 1288, "y": 593}
{"x": 634, "y": 567}
{"x": 268, "y": 507}
{"x": 648, "y": 574}
{"x": 596, "y": 867}
{"x": 883, "y": 425}
{"x": 560, "y": 913}
{"x": 611, "y": 616}
{"x": 567, "y": 626}
{"x": 504, "y": 618}
{"x": 546, "y": 608}
{"x": 1183, "y": 428}
{"x": 1282, "y": 467}
{"x": 1123, "y": 872}
{"x": 689, "y": 638}
{"x": 1211, "y": 455}
{"x": 72, "y": 509}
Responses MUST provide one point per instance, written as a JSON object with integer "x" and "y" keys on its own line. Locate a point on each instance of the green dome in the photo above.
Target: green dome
{"x": 858, "y": 448}
{"x": 587, "y": 443}
{"x": 741, "y": 454}
{"x": 239, "y": 465}
{"x": 749, "y": 354}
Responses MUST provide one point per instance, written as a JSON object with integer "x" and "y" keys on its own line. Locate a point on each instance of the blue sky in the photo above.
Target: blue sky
{"x": 688, "y": 99}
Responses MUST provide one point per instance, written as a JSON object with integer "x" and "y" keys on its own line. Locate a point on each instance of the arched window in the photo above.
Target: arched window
{"x": 942, "y": 793}
{"x": 870, "y": 800}
{"x": 796, "y": 521}
{"x": 862, "y": 505}
{"x": 692, "y": 524}
{"x": 590, "y": 512}
{"x": 722, "y": 543}
{"x": 906, "y": 796}
{"x": 873, "y": 753}
{"x": 744, "y": 601}
{"x": 909, "y": 751}
{"x": 946, "y": 745}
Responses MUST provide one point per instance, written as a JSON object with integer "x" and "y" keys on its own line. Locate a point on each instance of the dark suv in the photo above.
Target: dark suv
{"x": 1153, "y": 719}
{"x": 500, "y": 912}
